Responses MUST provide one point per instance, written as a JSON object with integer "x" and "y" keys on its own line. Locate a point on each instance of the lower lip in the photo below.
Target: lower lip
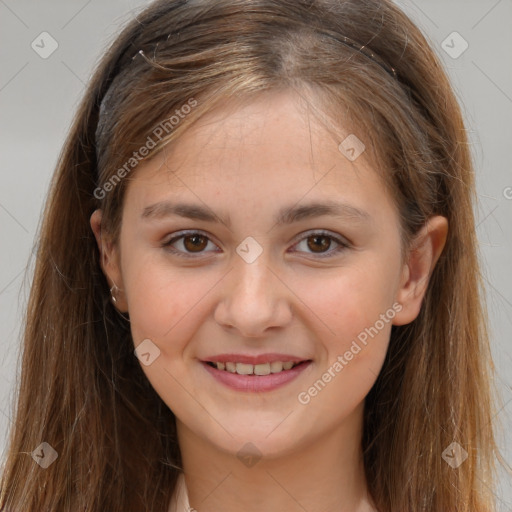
{"x": 256, "y": 383}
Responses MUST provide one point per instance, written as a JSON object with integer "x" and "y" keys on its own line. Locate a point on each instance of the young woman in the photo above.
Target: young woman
{"x": 257, "y": 284}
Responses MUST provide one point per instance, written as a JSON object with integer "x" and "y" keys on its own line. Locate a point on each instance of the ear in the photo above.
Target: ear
{"x": 109, "y": 261}
{"x": 422, "y": 257}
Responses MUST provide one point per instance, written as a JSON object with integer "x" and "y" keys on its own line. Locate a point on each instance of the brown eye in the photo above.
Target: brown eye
{"x": 320, "y": 243}
{"x": 188, "y": 244}
{"x": 195, "y": 243}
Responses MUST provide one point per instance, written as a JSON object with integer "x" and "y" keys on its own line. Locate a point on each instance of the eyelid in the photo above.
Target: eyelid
{"x": 182, "y": 234}
{"x": 342, "y": 242}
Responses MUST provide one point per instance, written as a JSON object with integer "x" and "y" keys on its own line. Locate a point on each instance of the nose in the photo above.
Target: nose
{"x": 254, "y": 299}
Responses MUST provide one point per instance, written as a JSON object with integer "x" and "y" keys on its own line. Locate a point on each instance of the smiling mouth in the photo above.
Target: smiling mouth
{"x": 256, "y": 369}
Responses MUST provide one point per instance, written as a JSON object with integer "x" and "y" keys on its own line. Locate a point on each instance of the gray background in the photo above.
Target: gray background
{"x": 38, "y": 98}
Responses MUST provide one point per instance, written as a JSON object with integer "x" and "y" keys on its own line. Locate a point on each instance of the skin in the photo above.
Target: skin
{"x": 247, "y": 161}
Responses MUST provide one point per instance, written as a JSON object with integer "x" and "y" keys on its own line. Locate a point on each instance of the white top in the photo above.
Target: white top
{"x": 179, "y": 501}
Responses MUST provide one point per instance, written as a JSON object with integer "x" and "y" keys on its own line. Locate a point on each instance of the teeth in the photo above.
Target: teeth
{"x": 276, "y": 367}
{"x": 244, "y": 369}
{"x": 255, "y": 369}
{"x": 262, "y": 369}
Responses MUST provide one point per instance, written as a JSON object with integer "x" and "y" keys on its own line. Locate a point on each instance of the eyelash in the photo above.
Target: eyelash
{"x": 342, "y": 243}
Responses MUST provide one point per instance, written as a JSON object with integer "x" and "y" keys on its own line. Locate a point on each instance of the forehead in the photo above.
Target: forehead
{"x": 275, "y": 145}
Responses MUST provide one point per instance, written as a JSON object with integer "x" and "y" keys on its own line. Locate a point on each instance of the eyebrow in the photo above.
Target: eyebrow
{"x": 286, "y": 215}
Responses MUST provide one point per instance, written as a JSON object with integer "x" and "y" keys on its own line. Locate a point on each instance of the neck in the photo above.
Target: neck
{"x": 326, "y": 475}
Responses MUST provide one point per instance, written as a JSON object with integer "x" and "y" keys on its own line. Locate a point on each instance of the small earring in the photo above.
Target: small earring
{"x": 114, "y": 298}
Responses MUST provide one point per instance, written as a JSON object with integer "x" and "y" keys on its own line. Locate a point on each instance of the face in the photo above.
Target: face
{"x": 222, "y": 258}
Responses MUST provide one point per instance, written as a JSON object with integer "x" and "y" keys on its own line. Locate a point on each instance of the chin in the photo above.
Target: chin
{"x": 258, "y": 442}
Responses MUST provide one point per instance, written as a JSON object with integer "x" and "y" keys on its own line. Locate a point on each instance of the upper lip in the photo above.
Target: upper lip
{"x": 251, "y": 359}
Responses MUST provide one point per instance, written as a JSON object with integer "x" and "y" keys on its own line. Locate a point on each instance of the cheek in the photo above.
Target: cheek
{"x": 350, "y": 300}
{"x": 355, "y": 306}
{"x": 165, "y": 306}
{"x": 360, "y": 316}
{"x": 163, "y": 301}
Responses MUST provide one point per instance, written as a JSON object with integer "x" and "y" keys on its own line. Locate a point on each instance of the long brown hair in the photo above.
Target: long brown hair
{"x": 82, "y": 389}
